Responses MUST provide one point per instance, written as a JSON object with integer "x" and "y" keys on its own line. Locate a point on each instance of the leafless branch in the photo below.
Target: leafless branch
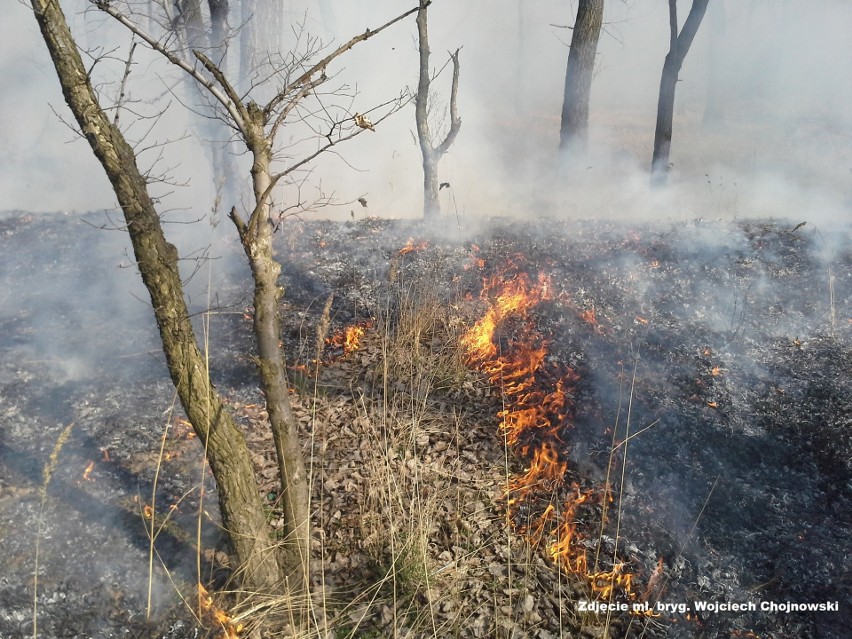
{"x": 321, "y": 65}
{"x": 294, "y": 101}
{"x": 455, "y": 120}
{"x": 216, "y": 72}
{"x": 230, "y": 106}
{"x": 123, "y": 86}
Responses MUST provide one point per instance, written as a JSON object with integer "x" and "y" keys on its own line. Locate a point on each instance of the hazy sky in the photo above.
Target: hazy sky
{"x": 783, "y": 149}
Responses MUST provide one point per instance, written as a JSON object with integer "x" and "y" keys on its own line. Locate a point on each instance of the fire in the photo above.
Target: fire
{"x": 411, "y": 247}
{"x": 88, "y": 472}
{"x": 538, "y": 408}
{"x": 349, "y": 339}
{"x": 352, "y": 338}
{"x": 182, "y": 429}
{"x": 215, "y": 616}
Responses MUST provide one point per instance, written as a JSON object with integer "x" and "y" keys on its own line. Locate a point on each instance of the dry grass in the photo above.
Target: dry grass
{"x": 46, "y": 475}
{"x": 407, "y": 470}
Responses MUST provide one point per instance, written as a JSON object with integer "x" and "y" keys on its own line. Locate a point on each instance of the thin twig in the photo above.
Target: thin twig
{"x": 123, "y": 87}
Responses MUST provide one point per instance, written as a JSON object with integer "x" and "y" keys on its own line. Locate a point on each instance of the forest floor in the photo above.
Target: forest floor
{"x": 689, "y": 383}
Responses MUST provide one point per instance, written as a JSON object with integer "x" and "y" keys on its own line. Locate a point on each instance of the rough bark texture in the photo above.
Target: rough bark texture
{"x": 157, "y": 260}
{"x": 432, "y": 154}
{"x": 679, "y": 47}
{"x": 256, "y": 239}
{"x": 574, "y": 131}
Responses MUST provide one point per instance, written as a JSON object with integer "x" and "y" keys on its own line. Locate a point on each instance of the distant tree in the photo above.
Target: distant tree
{"x": 432, "y": 153}
{"x": 186, "y": 21}
{"x": 262, "y": 27}
{"x": 264, "y": 565}
{"x": 219, "y": 29}
{"x": 574, "y": 131}
{"x": 679, "y": 45}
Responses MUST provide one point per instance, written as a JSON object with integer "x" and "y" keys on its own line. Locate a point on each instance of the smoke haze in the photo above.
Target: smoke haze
{"x": 780, "y": 147}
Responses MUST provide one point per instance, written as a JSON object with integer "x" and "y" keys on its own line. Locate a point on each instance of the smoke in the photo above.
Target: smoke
{"x": 778, "y": 146}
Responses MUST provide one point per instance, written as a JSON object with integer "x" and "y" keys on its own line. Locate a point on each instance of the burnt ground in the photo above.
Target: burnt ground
{"x": 729, "y": 343}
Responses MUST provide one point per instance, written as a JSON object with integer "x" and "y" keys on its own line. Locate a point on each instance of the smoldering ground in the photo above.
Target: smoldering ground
{"x": 780, "y": 150}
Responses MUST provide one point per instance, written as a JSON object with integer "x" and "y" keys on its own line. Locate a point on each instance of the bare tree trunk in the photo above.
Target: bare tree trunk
{"x": 257, "y": 239}
{"x": 225, "y": 173}
{"x": 679, "y": 47}
{"x": 239, "y": 501}
{"x": 432, "y": 154}
{"x": 191, "y": 21}
{"x": 262, "y": 25}
{"x": 574, "y": 132}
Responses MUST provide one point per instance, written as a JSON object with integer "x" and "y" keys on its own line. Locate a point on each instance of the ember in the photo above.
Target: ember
{"x": 87, "y": 473}
{"x": 411, "y": 247}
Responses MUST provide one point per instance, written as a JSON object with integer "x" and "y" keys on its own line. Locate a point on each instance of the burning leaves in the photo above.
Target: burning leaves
{"x": 507, "y": 347}
{"x": 348, "y": 340}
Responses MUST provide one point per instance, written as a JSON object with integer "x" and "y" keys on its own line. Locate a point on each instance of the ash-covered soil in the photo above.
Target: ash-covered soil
{"x": 719, "y": 351}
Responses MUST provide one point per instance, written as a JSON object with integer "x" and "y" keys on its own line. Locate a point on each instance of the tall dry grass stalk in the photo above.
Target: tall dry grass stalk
{"x": 46, "y": 475}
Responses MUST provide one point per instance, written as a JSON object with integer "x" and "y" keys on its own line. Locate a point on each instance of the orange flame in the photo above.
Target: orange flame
{"x": 411, "y": 247}
{"x": 349, "y": 339}
{"x": 88, "y": 472}
{"x": 215, "y": 616}
{"x": 537, "y": 410}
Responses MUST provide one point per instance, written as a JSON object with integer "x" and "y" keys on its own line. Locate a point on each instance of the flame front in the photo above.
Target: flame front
{"x": 538, "y": 410}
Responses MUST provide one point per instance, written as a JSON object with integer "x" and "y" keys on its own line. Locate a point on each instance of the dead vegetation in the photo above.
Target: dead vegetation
{"x": 407, "y": 466}
{"x": 407, "y": 478}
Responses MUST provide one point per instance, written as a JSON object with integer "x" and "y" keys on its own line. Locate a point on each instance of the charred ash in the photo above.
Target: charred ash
{"x": 694, "y": 378}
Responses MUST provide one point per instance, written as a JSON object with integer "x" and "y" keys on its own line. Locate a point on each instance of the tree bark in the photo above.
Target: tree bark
{"x": 157, "y": 260}
{"x": 432, "y": 154}
{"x": 574, "y": 132}
{"x": 679, "y": 47}
{"x": 256, "y": 238}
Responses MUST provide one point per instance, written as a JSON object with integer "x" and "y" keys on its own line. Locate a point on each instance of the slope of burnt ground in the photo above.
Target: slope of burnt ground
{"x": 719, "y": 351}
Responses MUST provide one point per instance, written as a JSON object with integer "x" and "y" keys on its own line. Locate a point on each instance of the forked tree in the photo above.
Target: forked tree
{"x": 431, "y": 152}
{"x": 263, "y": 567}
{"x": 574, "y": 131}
{"x": 679, "y": 44}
